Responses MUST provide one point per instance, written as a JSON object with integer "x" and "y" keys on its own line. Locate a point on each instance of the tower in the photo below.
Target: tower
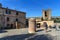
{"x": 46, "y": 14}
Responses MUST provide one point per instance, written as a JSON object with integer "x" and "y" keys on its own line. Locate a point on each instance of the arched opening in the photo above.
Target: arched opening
{"x": 38, "y": 25}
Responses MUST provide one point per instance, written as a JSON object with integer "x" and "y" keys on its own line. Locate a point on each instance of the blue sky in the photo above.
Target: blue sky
{"x": 33, "y": 8}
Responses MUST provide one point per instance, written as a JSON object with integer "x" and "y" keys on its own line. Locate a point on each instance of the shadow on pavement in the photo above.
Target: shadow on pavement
{"x": 42, "y": 37}
{"x": 2, "y": 31}
{"x": 24, "y": 36}
{"x": 17, "y": 37}
{"x": 40, "y": 30}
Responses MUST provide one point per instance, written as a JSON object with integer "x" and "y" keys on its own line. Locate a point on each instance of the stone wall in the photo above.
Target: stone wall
{"x": 48, "y": 22}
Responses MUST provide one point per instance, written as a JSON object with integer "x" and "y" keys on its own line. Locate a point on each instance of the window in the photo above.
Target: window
{"x": 16, "y": 13}
{"x": 7, "y": 18}
{"x": 16, "y": 19}
{"x": 38, "y": 25}
{"x": 11, "y": 25}
{"x": 45, "y": 13}
{"x": 9, "y": 11}
{"x": 6, "y": 11}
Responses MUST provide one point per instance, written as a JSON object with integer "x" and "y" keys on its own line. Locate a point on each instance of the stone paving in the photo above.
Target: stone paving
{"x": 22, "y": 34}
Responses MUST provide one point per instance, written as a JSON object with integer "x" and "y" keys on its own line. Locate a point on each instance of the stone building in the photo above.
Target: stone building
{"x": 46, "y": 17}
{"x": 9, "y": 18}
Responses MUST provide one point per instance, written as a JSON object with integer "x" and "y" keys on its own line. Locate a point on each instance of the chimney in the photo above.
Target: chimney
{"x": 0, "y": 5}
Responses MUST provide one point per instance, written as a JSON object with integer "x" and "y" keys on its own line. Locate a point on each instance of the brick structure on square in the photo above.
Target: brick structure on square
{"x": 32, "y": 25}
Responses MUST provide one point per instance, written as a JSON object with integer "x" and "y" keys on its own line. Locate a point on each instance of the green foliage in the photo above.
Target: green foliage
{"x": 56, "y": 20}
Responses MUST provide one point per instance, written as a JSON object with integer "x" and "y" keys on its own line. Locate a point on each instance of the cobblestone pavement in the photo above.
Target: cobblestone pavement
{"x": 22, "y": 34}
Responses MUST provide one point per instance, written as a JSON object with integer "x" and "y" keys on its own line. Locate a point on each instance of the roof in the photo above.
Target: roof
{"x": 55, "y": 16}
{"x": 33, "y": 17}
{"x": 13, "y": 10}
{"x": 41, "y": 17}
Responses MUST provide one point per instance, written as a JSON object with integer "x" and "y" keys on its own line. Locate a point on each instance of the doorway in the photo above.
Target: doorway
{"x": 11, "y": 25}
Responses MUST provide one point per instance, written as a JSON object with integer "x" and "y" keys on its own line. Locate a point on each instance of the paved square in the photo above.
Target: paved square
{"x": 22, "y": 34}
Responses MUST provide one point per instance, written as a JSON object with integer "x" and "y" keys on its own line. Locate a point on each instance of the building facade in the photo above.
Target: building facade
{"x": 9, "y": 18}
